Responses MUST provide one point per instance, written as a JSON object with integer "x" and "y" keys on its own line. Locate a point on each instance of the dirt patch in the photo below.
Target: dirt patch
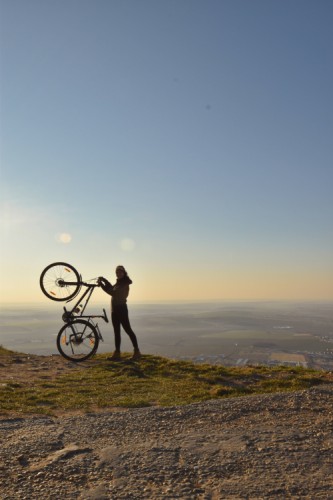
{"x": 31, "y": 368}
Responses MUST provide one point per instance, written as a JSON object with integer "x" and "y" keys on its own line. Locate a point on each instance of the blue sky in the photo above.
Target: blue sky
{"x": 189, "y": 140}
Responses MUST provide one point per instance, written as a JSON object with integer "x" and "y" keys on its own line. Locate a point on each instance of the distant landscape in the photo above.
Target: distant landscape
{"x": 228, "y": 333}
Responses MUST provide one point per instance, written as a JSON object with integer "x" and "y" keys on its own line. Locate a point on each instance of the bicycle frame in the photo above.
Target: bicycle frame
{"x": 87, "y": 294}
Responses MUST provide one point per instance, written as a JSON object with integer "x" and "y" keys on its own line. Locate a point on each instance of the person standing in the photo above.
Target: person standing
{"x": 119, "y": 311}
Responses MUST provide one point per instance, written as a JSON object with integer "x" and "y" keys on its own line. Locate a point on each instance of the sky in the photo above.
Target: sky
{"x": 188, "y": 140}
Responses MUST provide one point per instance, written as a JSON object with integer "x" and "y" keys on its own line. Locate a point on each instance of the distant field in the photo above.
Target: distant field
{"x": 283, "y": 339}
{"x": 284, "y": 357}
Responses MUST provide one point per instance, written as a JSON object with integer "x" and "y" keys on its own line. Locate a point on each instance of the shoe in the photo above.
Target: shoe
{"x": 115, "y": 356}
{"x": 136, "y": 355}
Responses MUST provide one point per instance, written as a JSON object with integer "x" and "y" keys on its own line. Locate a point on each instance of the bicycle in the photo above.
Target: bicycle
{"x": 79, "y": 338}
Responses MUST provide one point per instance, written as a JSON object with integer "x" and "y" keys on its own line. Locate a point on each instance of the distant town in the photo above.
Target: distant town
{"x": 319, "y": 360}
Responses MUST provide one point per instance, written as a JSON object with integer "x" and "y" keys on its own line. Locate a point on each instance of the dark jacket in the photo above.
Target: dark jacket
{"x": 119, "y": 291}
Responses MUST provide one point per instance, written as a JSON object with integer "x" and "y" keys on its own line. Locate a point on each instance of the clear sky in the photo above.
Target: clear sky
{"x": 189, "y": 140}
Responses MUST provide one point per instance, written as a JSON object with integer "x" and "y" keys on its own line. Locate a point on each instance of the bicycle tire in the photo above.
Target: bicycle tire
{"x": 52, "y": 277}
{"x": 77, "y": 340}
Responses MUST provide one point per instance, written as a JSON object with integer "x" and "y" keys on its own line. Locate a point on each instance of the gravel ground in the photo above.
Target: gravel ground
{"x": 268, "y": 446}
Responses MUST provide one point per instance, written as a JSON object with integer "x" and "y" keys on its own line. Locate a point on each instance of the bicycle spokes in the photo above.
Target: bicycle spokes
{"x": 77, "y": 340}
{"x": 60, "y": 281}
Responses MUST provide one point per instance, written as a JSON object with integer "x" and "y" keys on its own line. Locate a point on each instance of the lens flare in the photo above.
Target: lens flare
{"x": 64, "y": 238}
{"x": 127, "y": 244}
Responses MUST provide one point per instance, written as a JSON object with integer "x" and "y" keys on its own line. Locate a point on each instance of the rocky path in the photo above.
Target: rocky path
{"x": 257, "y": 447}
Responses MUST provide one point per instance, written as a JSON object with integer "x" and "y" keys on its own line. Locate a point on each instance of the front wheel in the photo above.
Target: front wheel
{"x": 60, "y": 281}
{"x": 77, "y": 340}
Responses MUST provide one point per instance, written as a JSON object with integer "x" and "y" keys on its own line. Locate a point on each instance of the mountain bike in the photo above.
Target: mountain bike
{"x": 79, "y": 338}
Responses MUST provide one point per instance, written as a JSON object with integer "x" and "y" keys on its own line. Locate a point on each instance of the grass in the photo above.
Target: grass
{"x": 5, "y": 352}
{"x": 154, "y": 381}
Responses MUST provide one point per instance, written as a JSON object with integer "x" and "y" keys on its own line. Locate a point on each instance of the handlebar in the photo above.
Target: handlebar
{"x": 106, "y": 319}
{"x": 69, "y": 316}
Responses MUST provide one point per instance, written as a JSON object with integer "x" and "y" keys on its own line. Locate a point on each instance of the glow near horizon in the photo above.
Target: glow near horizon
{"x": 189, "y": 140}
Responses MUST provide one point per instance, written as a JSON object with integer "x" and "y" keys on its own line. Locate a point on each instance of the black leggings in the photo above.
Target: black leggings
{"x": 120, "y": 318}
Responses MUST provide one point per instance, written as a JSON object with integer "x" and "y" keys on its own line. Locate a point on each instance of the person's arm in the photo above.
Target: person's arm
{"x": 105, "y": 285}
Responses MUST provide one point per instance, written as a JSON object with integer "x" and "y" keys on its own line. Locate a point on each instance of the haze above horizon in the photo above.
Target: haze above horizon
{"x": 190, "y": 141}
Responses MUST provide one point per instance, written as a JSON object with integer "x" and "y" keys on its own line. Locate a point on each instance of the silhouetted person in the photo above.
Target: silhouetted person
{"x": 119, "y": 312}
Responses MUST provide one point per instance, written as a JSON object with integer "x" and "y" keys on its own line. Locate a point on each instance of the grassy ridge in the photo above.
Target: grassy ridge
{"x": 152, "y": 381}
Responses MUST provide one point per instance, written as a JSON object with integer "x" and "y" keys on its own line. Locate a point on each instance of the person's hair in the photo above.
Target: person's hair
{"x": 123, "y": 269}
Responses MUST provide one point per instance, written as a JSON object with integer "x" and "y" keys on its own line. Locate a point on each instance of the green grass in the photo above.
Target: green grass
{"x": 153, "y": 381}
{"x": 5, "y": 352}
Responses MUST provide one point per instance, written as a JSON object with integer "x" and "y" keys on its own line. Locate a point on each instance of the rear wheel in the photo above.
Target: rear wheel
{"x": 77, "y": 340}
{"x": 60, "y": 281}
